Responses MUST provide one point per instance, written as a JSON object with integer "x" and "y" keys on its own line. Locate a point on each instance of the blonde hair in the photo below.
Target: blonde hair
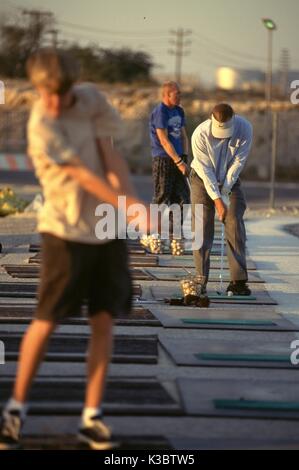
{"x": 169, "y": 85}
{"x": 52, "y": 69}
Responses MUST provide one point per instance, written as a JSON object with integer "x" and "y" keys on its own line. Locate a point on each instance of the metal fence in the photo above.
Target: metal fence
{"x": 13, "y": 130}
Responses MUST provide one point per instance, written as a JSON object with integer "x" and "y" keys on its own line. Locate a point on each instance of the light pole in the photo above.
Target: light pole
{"x": 271, "y": 26}
{"x": 273, "y": 159}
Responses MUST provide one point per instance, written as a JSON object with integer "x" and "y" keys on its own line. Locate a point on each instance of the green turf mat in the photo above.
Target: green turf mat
{"x": 228, "y": 322}
{"x": 233, "y": 297}
{"x": 256, "y": 405}
{"x": 243, "y": 357}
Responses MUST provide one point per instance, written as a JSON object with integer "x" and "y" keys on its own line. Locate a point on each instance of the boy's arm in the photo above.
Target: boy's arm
{"x": 117, "y": 171}
{"x": 108, "y": 125}
{"x": 47, "y": 142}
{"x": 103, "y": 191}
{"x": 96, "y": 186}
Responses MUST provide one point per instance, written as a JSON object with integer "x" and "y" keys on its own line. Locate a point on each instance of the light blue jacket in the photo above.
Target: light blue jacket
{"x": 220, "y": 161}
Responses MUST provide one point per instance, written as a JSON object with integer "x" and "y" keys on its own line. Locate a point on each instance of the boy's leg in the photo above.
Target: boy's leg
{"x": 32, "y": 351}
{"x": 109, "y": 293}
{"x": 92, "y": 430}
{"x": 99, "y": 354}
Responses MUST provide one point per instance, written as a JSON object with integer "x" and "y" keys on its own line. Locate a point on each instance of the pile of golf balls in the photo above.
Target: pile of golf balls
{"x": 155, "y": 244}
{"x": 177, "y": 247}
{"x": 145, "y": 240}
{"x": 188, "y": 287}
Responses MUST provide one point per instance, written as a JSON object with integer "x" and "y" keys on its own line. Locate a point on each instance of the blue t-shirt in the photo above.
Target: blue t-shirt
{"x": 172, "y": 119}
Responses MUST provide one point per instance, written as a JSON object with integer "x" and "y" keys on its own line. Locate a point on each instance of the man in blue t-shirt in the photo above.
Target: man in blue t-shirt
{"x": 169, "y": 144}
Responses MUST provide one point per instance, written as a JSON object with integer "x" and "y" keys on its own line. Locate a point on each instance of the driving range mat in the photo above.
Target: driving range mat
{"x": 137, "y": 349}
{"x": 252, "y": 352}
{"x": 242, "y": 318}
{"x": 166, "y": 292}
{"x": 265, "y": 399}
{"x": 22, "y": 313}
{"x": 123, "y": 396}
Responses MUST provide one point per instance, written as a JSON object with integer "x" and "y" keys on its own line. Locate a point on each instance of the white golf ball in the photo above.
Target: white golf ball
{"x": 230, "y": 293}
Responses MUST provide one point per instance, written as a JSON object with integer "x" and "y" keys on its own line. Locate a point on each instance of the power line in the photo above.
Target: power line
{"x": 112, "y": 32}
{"x": 205, "y": 64}
{"x": 93, "y": 40}
{"x": 105, "y": 43}
{"x": 228, "y": 50}
{"x": 211, "y": 44}
{"x": 37, "y": 14}
{"x": 225, "y": 56}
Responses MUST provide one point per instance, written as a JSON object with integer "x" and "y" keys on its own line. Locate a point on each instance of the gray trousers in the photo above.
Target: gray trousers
{"x": 234, "y": 231}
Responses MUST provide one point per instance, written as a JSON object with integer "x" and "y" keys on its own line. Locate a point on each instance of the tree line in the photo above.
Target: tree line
{"x": 23, "y": 34}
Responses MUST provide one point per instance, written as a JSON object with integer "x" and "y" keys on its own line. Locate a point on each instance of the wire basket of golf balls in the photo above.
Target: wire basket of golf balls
{"x": 144, "y": 241}
{"x": 189, "y": 290}
{"x": 192, "y": 292}
{"x": 152, "y": 243}
{"x": 177, "y": 247}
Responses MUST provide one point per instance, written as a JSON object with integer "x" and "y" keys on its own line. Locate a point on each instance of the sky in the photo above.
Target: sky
{"x": 224, "y": 32}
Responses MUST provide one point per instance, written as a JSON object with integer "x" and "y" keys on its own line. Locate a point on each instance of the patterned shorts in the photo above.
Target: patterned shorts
{"x": 170, "y": 185}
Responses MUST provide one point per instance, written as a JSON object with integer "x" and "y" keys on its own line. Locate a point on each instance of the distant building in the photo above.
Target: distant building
{"x": 229, "y": 78}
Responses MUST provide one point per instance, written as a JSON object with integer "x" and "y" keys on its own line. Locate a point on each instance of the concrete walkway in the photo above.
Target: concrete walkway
{"x": 276, "y": 254}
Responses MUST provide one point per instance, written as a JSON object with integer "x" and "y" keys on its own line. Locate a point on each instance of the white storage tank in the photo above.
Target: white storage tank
{"x": 229, "y": 78}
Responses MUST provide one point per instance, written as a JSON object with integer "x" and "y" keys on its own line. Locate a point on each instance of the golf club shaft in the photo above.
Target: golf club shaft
{"x": 188, "y": 183}
{"x": 222, "y": 258}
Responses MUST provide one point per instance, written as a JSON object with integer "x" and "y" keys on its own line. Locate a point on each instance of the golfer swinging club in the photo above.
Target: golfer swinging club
{"x": 220, "y": 147}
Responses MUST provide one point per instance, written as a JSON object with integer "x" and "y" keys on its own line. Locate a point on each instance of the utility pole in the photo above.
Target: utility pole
{"x": 284, "y": 70}
{"x": 39, "y": 22}
{"x": 38, "y": 15}
{"x": 54, "y": 34}
{"x": 179, "y": 50}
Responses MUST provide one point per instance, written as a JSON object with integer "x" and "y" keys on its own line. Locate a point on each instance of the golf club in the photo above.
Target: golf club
{"x": 220, "y": 291}
{"x": 188, "y": 183}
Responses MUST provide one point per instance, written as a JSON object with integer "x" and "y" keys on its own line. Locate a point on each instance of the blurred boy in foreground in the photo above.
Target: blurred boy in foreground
{"x": 70, "y": 135}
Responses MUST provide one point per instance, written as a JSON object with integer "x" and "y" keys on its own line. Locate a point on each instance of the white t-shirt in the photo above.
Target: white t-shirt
{"x": 69, "y": 211}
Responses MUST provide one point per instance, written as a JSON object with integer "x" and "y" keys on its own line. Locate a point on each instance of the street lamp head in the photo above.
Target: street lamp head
{"x": 269, "y": 24}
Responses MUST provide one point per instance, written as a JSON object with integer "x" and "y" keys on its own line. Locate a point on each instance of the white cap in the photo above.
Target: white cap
{"x": 222, "y": 130}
